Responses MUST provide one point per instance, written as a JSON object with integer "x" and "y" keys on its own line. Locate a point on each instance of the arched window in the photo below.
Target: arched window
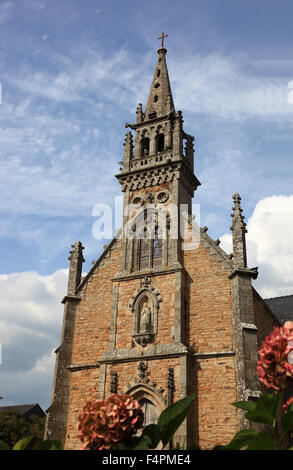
{"x": 150, "y": 411}
{"x": 160, "y": 140}
{"x": 150, "y": 243}
{"x": 145, "y": 146}
{"x": 157, "y": 248}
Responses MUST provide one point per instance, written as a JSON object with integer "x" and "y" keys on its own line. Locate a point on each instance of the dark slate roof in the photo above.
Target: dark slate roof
{"x": 25, "y": 410}
{"x": 282, "y": 307}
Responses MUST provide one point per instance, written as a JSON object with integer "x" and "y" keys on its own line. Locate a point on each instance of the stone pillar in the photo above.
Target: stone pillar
{"x": 189, "y": 151}
{"x": 139, "y": 114}
{"x": 245, "y": 330}
{"x": 238, "y": 234}
{"x": 128, "y": 150}
{"x": 56, "y": 421}
{"x": 178, "y": 134}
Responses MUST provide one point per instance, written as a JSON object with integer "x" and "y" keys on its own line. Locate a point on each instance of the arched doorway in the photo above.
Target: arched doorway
{"x": 150, "y": 411}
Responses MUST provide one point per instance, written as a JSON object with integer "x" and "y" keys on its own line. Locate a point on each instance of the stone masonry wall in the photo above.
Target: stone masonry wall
{"x": 209, "y": 329}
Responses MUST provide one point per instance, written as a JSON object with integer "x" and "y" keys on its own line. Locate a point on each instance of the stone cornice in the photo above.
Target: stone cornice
{"x": 117, "y": 356}
{"x": 150, "y": 121}
{"x": 149, "y": 273}
{"x": 74, "y": 368}
{"x": 244, "y": 272}
{"x": 70, "y": 298}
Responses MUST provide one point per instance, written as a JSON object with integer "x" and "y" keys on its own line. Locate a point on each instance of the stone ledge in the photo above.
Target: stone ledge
{"x": 177, "y": 351}
{"x": 249, "y": 326}
{"x": 252, "y": 393}
{"x": 244, "y": 271}
{"x": 159, "y": 351}
{"x": 70, "y": 298}
{"x": 208, "y": 355}
{"x": 82, "y": 367}
{"x": 148, "y": 273}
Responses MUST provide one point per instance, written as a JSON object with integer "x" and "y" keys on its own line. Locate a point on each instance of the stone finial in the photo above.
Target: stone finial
{"x": 169, "y": 104}
{"x": 139, "y": 114}
{"x": 189, "y": 149}
{"x": 128, "y": 146}
{"x": 142, "y": 368}
{"x": 75, "y": 268}
{"x": 238, "y": 233}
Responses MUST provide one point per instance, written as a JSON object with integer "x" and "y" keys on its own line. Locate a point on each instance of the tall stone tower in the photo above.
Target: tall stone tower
{"x": 152, "y": 318}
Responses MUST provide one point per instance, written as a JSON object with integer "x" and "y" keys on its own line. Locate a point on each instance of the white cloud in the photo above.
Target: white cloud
{"x": 269, "y": 245}
{"x": 30, "y": 326}
{"x": 5, "y": 10}
{"x": 227, "y": 87}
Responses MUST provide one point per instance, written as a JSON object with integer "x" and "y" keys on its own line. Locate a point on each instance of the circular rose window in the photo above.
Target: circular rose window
{"x": 162, "y": 197}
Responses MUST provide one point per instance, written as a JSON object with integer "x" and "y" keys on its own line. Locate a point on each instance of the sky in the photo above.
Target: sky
{"x": 72, "y": 74}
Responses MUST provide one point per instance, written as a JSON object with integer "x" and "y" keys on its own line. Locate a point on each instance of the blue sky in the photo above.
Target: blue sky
{"x": 72, "y": 74}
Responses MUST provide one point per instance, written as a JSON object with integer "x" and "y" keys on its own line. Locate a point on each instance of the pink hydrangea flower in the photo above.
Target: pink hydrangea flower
{"x": 104, "y": 423}
{"x": 275, "y": 366}
{"x": 287, "y": 404}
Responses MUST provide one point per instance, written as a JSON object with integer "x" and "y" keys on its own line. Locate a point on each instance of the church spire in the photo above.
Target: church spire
{"x": 160, "y": 100}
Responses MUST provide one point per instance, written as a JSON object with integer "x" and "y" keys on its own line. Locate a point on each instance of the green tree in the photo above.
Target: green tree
{"x": 13, "y": 427}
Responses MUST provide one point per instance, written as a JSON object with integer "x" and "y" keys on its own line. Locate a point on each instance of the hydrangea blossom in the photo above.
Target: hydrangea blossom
{"x": 104, "y": 423}
{"x": 287, "y": 404}
{"x": 275, "y": 365}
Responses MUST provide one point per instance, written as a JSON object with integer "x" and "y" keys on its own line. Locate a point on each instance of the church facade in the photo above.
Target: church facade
{"x": 153, "y": 317}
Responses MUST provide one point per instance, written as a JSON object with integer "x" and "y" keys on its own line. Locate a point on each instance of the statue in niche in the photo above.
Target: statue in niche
{"x": 145, "y": 324}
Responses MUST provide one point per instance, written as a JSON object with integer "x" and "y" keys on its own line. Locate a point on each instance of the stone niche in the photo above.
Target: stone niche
{"x": 144, "y": 306}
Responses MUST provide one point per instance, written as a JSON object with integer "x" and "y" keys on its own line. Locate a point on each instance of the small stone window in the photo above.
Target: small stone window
{"x": 160, "y": 140}
{"x": 155, "y": 99}
{"x": 157, "y": 85}
{"x": 145, "y": 146}
{"x": 158, "y": 72}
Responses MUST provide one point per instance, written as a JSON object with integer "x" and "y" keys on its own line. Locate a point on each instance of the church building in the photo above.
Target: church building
{"x": 156, "y": 318}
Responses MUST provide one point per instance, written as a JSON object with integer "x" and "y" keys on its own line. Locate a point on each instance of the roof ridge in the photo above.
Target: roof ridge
{"x": 24, "y": 404}
{"x": 98, "y": 261}
{"x": 279, "y": 297}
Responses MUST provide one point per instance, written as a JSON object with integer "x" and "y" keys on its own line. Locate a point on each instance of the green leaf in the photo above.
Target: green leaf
{"x": 262, "y": 441}
{"x": 245, "y": 405}
{"x": 23, "y": 444}
{"x": 48, "y": 445}
{"x": 144, "y": 443}
{"x": 287, "y": 421}
{"x": 241, "y": 439}
{"x": 140, "y": 443}
{"x": 4, "y": 446}
{"x": 171, "y": 418}
{"x": 266, "y": 409}
{"x": 153, "y": 432}
{"x": 56, "y": 445}
{"x": 277, "y": 404}
{"x": 219, "y": 447}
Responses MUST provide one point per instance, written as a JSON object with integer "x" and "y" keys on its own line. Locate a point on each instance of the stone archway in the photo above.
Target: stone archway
{"x": 151, "y": 403}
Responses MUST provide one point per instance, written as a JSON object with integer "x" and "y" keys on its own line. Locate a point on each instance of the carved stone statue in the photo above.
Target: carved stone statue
{"x": 145, "y": 324}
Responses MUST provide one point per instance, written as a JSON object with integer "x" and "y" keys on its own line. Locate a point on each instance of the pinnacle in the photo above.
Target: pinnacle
{"x": 237, "y": 211}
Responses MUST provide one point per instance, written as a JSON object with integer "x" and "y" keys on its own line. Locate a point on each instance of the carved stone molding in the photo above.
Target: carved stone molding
{"x": 142, "y": 380}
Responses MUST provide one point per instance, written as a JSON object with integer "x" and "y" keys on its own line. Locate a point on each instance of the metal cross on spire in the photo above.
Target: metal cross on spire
{"x": 163, "y": 37}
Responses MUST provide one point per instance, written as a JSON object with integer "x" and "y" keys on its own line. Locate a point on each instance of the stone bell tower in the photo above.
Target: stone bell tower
{"x": 157, "y": 171}
{"x": 147, "y": 329}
